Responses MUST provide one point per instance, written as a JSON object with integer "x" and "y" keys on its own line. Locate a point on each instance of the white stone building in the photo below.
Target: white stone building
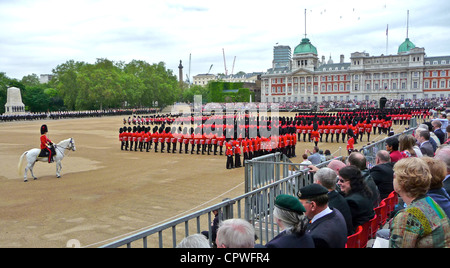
{"x": 410, "y": 74}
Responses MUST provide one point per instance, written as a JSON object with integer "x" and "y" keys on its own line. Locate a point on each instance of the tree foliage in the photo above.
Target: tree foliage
{"x": 109, "y": 84}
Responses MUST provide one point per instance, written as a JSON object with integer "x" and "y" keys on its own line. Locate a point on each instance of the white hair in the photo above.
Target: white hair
{"x": 194, "y": 241}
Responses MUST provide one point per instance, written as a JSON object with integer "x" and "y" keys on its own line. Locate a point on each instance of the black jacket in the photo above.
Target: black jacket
{"x": 361, "y": 208}
{"x": 383, "y": 176}
{"x": 336, "y": 200}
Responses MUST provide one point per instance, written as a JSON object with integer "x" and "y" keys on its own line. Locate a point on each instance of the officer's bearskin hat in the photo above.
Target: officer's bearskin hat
{"x": 44, "y": 129}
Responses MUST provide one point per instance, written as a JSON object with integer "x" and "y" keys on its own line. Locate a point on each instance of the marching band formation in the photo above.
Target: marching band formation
{"x": 242, "y": 134}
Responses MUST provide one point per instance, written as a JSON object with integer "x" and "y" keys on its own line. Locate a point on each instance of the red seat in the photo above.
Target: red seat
{"x": 374, "y": 226}
{"x": 364, "y": 238}
{"x": 381, "y": 212}
{"x": 391, "y": 201}
{"x": 353, "y": 241}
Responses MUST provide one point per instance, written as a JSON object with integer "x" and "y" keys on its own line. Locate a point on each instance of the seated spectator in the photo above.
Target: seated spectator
{"x": 358, "y": 160}
{"x": 357, "y": 195}
{"x": 438, "y": 172}
{"x": 433, "y": 136}
{"x": 448, "y": 135}
{"x": 424, "y": 143}
{"x": 408, "y": 147}
{"x": 423, "y": 223}
{"x": 336, "y": 165}
{"x": 328, "y": 178}
{"x": 443, "y": 155}
{"x": 235, "y": 233}
{"x": 328, "y": 155}
{"x": 436, "y": 124}
{"x": 383, "y": 173}
{"x": 424, "y": 127}
{"x": 392, "y": 148}
{"x": 289, "y": 215}
{"x": 194, "y": 241}
{"x": 327, "y": 226}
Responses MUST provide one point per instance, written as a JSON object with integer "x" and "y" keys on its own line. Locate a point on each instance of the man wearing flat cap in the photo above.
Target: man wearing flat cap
{"x": 327, "y": 226}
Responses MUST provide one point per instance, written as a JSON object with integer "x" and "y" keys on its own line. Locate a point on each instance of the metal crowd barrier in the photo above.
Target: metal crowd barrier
{"x": 270, "y": 175}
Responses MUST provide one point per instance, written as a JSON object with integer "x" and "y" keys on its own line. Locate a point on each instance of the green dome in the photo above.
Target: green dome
{"x": 305, "y": 47}
{"x": 406, "y": 46}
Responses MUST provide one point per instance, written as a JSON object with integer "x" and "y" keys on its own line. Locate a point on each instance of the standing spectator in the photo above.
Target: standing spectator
{"x": 443, "y": 154}
{"x": 357, "y": 195}
{"x": 235, "y": 233}
{"x": 289, "y": 215}
{"x": 392, "y": 148}
{"x": 314, "y": 156}
{"x": 305, "y": 160}
{"x": 214, "y": 227}
{"x": 423, "y": 223}
{"x": 383, "y": 173}
{"x": 327, "y": 226}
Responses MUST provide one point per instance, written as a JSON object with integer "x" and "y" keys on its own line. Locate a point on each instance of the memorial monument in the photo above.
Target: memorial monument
{"x": 14, "y": 104}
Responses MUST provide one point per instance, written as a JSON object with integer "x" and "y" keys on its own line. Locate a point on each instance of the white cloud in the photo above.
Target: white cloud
{"x": 38, "y": 35}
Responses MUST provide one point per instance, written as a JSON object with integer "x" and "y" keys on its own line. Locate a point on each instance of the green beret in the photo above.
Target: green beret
{"x": 312, "y": 191}
{"x": 289, "y": 203}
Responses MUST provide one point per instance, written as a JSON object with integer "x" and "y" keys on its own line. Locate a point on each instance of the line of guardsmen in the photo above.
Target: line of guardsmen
{"x": 210, "y": 142}
{"x": 204, "y": 139}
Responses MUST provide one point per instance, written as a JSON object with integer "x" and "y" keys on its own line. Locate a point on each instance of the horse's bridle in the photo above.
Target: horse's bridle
{"x": 69, "y": 147}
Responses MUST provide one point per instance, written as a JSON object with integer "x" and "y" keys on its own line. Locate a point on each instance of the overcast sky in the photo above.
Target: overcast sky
{"x": 38, "y": 35}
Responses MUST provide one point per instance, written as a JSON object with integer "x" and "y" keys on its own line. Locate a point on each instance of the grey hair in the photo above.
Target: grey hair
{"x": 194, "y": 241}
{"x": 293, "y": 221}
{"x": 236, "y": 233}
{"x": 327, "y": 178}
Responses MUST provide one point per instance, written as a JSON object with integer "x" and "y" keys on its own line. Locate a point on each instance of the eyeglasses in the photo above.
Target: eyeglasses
{"x": 341, "y": 180}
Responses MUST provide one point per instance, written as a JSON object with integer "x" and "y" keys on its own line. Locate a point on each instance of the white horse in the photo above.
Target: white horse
{"x": 32, "y": 157}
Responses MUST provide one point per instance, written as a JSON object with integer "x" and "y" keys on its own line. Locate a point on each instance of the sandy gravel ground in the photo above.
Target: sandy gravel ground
{"x": 104, "y": 192}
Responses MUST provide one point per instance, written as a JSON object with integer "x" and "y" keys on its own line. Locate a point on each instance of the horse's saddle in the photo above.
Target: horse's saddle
{"x": 45, "y": 152}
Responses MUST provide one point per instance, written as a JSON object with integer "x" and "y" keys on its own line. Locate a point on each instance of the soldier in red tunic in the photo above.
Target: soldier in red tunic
{"x": 229, "y": 153}
{"x": 46, "y": 144}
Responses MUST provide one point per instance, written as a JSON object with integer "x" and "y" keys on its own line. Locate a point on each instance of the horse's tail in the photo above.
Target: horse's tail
{"x": 19, "y": 166}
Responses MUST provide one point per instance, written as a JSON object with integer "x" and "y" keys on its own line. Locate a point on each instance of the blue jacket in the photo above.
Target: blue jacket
{"x": 329, "y": 231}
{"x": 284, "y": 240}
{"x": 441, "y": 197}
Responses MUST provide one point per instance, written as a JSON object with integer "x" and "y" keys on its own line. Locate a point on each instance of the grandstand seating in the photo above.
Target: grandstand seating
{"x": 381, "y": 212}
{"x": 369, "y": 229}
{"x": 353, "y": 241}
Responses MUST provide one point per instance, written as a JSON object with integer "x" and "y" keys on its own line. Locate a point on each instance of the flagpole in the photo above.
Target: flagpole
{"x": 387, "y": 39}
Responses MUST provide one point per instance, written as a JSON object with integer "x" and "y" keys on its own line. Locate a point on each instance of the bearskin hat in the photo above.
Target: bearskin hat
{"x": 44, "y": 129}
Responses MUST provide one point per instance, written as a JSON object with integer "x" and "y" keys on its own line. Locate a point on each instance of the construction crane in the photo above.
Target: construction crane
{"x": 234, "y": 61}
{"x": 225, "y": 62}
{"x": 210, "y": 68}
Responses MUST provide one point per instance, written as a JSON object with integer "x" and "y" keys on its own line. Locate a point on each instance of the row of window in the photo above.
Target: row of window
{"x": 341, "y": 98}
{"x": 330, "y": 78}
{"x": 442, "y": 84}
